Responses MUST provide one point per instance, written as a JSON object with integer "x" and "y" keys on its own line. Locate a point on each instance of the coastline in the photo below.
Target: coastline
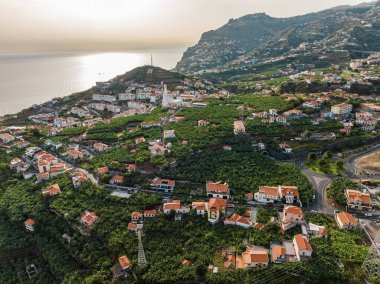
{"x": 44, "y": 77}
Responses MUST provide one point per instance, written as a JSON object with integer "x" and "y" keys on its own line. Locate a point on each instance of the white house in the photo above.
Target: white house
{"x": 218, "y": 190}
{"x": 29, "y": 225}
{"x": 346, "y": 220}
{"x": 176, "y": 206}
{"x": 340, "y": 109}
{"x": 302, "y": 247}
{"x": 127, "y": 97}
{"x": 105, "y": 98}
{"x": 169, "y": 134}
{"x": 267, "y": 194}
{"x": 166, "y": 185}
{"x": 253, "y": 258}
{"x": 239, "y": 127}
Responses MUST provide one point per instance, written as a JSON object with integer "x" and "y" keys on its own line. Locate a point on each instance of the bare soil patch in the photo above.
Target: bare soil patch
{"x": 370, "y": 162}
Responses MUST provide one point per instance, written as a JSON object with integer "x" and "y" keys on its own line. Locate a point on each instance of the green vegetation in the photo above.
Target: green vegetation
{"x": 348, "y": 245}
{"x": 244, "y": 170}
{"x": 324, "y": 165}
{"x": 114, "y": 158}
{"x": 219, "y": 131}
{"x": 264, "y": 215}
{"x": 109, "y": 132}
{"x": 337, "y": 189}
{"x": 192, "y": 158}
{"x": 257, "y": 101}
{"x": 257, "y": 128}
{"x": 304, "y": 124}
{"x": 76, "y": 131}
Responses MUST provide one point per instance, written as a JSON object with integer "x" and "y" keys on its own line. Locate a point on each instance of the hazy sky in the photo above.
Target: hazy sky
{"x": 59, "y": 25}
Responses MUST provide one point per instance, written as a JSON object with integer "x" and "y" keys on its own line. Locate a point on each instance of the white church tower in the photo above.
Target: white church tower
{"x": 165, "y": 98}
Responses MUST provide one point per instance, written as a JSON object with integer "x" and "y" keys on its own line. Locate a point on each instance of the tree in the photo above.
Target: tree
{"x": 337, "y": 189}
{"x": 326, "y": 155}
{"x": 312, "y": 156}
{"x": 324, "y": 165}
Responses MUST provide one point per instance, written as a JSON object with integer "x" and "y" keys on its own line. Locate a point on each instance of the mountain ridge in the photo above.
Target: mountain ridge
{"x": 254, "y": 34}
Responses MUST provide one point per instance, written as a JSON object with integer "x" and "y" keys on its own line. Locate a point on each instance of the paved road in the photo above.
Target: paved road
{"x": 319, "y": 182}
{"x": 350, "y": 163}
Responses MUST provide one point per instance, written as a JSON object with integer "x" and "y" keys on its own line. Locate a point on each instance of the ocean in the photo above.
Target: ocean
{"x": 27, "y": 79}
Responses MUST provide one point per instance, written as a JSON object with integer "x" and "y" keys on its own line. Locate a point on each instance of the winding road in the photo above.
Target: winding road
{"x": 350, "y": 163}
{"x": 319, "y": 182}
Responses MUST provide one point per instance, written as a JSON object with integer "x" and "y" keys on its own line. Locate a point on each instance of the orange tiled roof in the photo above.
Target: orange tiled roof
{"x": 43, "y": 175}
{"x": 293, "y": 210}
{"x": 75, "y": 153}
{"x": 89, "y": 217}
{"x": 30, "y": 222}
{"x": 323, "y": 231}
{"x": 355, "y": 195}
{"x": 167, "y": 181}
{"x": 197, "y": 203}
{"x": 255, "y": 256}
{"x": 82, "y": 178}
{"x": 233, "y": 218}
{"x": 43, "y": 163}
{"x": 302, "y": 243}
{"x": 100, "y": 145}
{"x": 342, "y": 105}
{"x": 285, "y": 189}
{"x": 345, "y": 217}
{"x": 118, "y": 178}
{"x": 259, "y": 225}
{"x": 124, "y": 262}
{"x": 243, "y": 220}
{"x": 53, "y": 189}
{"x": 150, "y": 212}
{"x": 132, "y": 226}
{"x": 269, "y": 190}
{"x": 220, "y": 187}
{"x": 249, "y": 195}
{"x": 295, "y": 111}
{"x": 217, "y": 203}
{"x": 102, "y": 170}
{"x": 201, "y": 207}
{"x": 136, "y": 215}
{"x": 278, "y": 251}
{"x": 172, "y": 206}
{"x": 131, "y": 166}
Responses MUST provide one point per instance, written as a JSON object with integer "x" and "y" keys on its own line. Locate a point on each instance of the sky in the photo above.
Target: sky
{"x": 79, "y": 25}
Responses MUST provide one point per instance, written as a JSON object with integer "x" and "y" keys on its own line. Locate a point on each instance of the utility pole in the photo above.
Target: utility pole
{"x": 151, "y": 60}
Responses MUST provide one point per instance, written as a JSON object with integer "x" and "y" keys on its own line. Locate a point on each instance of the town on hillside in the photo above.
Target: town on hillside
{"x": 169, "y": 178}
